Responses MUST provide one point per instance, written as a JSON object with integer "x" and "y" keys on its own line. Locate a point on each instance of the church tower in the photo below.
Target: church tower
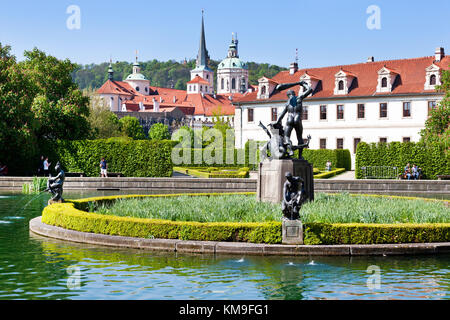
{"x": 232, "y": 72}
{"x": 202, "y": 76}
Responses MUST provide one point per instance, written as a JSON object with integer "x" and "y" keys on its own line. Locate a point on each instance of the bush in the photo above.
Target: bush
{"x": 431, "y": 157}
{"x": 133, "y": 158}
{"x": 329, "y": 174}
{"x": 215, "y": 172}
{"x": 340, "y": 158}
{"x": 159, "y": 131}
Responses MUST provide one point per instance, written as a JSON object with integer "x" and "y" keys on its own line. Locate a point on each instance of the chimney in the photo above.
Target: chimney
{"x": 439, "y": 54}
{"x": 293, "y": 68}
{"x": 174, "y": 99}
{"x": 141, "y": 106}
{"x": 371, "y": 59}
{"x": 155, "y": 105}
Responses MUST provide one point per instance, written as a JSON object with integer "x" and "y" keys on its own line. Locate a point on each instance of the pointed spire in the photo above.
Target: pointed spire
{"x": 202, "y": 57}
{"x": 110, "y": 70}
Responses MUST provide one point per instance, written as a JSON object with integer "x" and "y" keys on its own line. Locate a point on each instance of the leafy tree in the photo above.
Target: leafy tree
{"x": 159, "y": 131}
{"x": 131, "y": 127}
{"x": 104, "y": 123}
{"x": 437, "y": 126}
{"x": 177, "y": 136}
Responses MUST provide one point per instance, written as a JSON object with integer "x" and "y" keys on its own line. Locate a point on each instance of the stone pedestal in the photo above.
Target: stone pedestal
{"x": 50, "y": 202}
{"x": 271, "y": 178}
{"x": 292, "y": 232}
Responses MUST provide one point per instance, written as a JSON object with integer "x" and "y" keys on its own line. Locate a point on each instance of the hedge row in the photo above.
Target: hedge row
{"x": 358, "y": 233}
{"x": 133, "y": 158}
{"x": 432, "y": 158}
{"x": 72, "y": 215}
{"x": 329, "y": 174}
{"x": 214, "y": 172}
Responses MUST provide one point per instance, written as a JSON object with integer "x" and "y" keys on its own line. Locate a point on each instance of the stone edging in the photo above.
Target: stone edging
{"x": 241, "y": 248}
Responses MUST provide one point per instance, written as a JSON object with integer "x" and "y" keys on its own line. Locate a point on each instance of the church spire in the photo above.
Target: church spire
{"x": 110, "y": 71}
{"x": 202, "y": 57}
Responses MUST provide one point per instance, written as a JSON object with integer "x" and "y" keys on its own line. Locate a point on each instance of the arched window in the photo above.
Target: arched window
{"x": 222, "y": 84}
{"x": 137, "y": 88}
{"x": 146, "y": 89}
{"x": 384, "y": 82}
{"x": 432, "y": 79}
{"x": 201, "y": 88}
{"x": 341, "y": 85}
{"x": 233, "y": 83}
{"x": 263, "y": 90}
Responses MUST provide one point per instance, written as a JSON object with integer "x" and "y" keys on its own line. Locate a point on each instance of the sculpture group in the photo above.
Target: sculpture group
{"x": 280, "y": 146}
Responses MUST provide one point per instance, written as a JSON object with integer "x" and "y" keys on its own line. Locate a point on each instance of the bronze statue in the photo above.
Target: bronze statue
{"x": 55, "y": 185}
{"x": 294, "y": 196}
{"x": 276, "y": 145}
{"x": 294, "y": 110}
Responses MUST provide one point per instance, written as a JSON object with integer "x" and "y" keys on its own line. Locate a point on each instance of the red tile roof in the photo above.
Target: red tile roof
{"x": 198, "y": 79}
{"x": 410, "y": 71}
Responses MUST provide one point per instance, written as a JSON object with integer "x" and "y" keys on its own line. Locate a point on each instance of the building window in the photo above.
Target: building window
{"x": 263, "y": 90}
{"x": 383, "y": 110}
{"x": 222, "y": 84}
{"x": 384, "y": 82}
{"x": 305, "y": 113}
{"x": 250, "y": 114}
{"x": 137, "y": 88}
{"x": 383, "y": 140}
{"x": 339, "y": 143}
{"x": 432, "y": 80}
{"x": 340, "y": 111}
{"x": 406, "y": 139}
{"x": 406, "y": 109}
{"x": 323, "y": 143}
{"x": 323, "y": 112}
{"x": 341, "y": 85}
{"x": 431, "y": 105}
{"x": 356, "y": 141}
{"x": 207, "y": 77}
{"x": 233, "y": 83}
{"x": 361, "y": 111}
{"x": 274, "y": 114}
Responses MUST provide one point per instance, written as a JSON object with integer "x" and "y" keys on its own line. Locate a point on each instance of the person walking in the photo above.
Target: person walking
{"x": 103, "y": 168}
{"x": 46, "y": 167}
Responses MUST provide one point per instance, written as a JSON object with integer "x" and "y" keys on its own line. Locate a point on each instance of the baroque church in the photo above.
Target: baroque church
{"x": 200, "y": 102}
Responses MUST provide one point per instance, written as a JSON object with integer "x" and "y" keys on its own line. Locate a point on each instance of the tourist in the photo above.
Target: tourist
{"x": 41, "y": 166}
{"x": 103, "y": 167}
{"x": 46, "y": 167}
{"x": 328, "y": 166}
{"x": 3, "y": 170}
{"x": 407, "y": 172}
{"x": 416, "y": 172}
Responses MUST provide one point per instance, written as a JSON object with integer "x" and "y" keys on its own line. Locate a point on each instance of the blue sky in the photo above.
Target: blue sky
{"x": 325, "y": 32}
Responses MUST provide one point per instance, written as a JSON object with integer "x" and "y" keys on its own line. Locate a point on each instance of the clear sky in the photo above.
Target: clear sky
{"x": 326, "y": 32}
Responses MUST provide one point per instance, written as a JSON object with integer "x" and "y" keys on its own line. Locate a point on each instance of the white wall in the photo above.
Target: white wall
{"x": 370, "y": 129}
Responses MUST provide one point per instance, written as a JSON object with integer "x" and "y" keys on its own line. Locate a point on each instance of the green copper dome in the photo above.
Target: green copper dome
{"x": 136, "y": 76}
{"x": 232, "y": 63}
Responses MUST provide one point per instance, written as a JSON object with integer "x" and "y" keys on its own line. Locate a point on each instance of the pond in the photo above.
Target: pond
{"x": 34, "y": 267}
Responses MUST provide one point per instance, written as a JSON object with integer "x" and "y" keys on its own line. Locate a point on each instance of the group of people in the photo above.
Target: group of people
{"x": 412, "y": 173}
{"x": 44, "y": 167}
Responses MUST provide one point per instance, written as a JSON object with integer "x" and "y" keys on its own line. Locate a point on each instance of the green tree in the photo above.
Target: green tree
{"x": 159, "y": 131}
{"x": 437, "y": 126}
{"x": 131, "y": 127}
{"x": 104, "y": 123}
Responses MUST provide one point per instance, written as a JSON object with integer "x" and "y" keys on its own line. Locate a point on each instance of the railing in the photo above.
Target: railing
{"x": 380, "y": 172}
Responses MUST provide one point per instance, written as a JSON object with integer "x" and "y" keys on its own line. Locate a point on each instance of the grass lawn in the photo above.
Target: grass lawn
{"x": 341, "y": 208}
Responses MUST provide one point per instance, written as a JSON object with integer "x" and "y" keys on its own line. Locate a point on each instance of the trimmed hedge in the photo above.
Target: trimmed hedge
{"x": 359, "y": 233}
{"x": 340, "y": 158}
{"x": 432, "y": 158}
{"x": 329, "y": 174}
{"x": 213, "y": 172}
{"x": 133, "y": 158}
{"x": 72, "y": 215}
{"x": 66, "y": 215}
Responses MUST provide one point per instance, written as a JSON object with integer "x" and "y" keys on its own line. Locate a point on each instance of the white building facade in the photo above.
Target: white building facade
{"x": 370, "y": 102}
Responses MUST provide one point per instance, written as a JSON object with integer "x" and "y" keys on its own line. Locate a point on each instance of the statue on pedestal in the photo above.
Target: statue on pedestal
{"x": 55, "y": 185}
{"x": 294, "y": 196}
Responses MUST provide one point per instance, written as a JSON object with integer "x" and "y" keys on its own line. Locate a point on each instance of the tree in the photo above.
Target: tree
{"x": 130, "y": 127}
{"x": 159, "y": 131}
{"x": 437, "y": 126}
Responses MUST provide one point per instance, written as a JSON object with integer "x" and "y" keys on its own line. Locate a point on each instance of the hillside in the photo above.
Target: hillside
{"x": 161, "y": 74}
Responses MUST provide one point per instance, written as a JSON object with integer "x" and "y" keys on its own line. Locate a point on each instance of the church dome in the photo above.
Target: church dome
{"x": 136, "y": 76}
{"x": 232, "y": 63}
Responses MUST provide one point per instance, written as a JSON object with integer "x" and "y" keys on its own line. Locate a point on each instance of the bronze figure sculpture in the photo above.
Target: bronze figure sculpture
{"x": 55, "y": 185}
{"x": 293, "y": 196}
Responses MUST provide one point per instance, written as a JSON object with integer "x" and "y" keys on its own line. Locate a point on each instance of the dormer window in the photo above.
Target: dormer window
{"x": 386, "y": 79}
{"x": 343, "y": 82}
{"x": 432, "y": 77}
{"x": 265, "y": 87}
{"x": 311, "y": 80}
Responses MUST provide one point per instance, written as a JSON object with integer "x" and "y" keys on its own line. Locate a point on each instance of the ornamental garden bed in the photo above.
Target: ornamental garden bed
{"x": 214, "y": 172}
{"x": 330, "y": 219}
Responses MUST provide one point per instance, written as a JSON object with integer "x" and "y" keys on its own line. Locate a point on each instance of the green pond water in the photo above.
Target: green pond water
{"x": 34, "y": 267}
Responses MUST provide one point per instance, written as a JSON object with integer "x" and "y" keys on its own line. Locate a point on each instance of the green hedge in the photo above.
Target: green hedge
{"x": 133, "y": 158}
{"x": 340, "y": 158}
{"x": 329, "y": 174}
{"x": 358, "y": 233}
{"x": 215, "y": 172}
{"x": 432, "y": 158}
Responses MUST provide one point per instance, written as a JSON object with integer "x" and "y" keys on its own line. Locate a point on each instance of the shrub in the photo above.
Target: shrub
{"x": 431, "y": 157}
{"x": 159, "y": 131}
{"x": 133, "y": 158}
